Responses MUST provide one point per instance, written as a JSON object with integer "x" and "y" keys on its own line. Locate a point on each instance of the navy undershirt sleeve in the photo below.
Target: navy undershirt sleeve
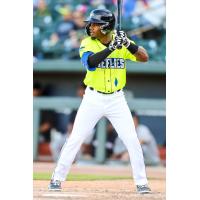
{"x": 95, "y": 59}
{"x": 84, "y": 61}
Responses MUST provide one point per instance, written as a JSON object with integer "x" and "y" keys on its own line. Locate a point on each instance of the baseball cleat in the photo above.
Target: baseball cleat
{"x": 143, "y": 189}
{"x": 54, "y": 185}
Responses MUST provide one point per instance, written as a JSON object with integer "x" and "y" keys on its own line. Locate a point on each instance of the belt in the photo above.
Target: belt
{"x": 91, "y": 88}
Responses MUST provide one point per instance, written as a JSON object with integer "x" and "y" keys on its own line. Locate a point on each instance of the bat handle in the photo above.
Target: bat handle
{"x": 119, "y": 45}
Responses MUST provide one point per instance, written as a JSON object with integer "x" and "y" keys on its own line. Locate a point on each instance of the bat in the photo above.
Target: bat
{"x": 119, "y": 14}
{"x": 119, "y": 17}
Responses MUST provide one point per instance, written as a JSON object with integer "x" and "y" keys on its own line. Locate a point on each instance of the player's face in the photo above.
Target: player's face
{"x": 95, "y": 30}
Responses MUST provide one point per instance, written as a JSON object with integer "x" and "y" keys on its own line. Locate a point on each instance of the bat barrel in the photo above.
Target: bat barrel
{"x": 119, "y": 14}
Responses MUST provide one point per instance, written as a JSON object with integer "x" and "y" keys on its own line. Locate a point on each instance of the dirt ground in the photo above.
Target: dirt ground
{"x": 100, "y": 190}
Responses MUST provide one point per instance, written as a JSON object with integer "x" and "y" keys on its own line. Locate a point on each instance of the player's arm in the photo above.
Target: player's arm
{"x": 140, "y": 54}
{"x": 95, "y": 59}
{"x": 92, "y": 60}
{"x": 138, "y": 51}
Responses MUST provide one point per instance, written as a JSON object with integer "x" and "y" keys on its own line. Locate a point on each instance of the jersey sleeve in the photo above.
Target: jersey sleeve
{"x": 129, "y": 55}
{"x": 86, "y": 46}
{"x": 85, "y": 51}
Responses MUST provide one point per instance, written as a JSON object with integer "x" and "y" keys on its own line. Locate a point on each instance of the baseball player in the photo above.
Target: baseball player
{"x": 104, "y": 53}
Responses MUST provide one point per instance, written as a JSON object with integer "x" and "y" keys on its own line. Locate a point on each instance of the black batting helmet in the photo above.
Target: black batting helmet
{"x": 101, "y": 16}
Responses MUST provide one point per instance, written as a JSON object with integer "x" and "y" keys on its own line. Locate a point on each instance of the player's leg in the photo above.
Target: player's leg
{"x": 87, "y": 116}
{"x": 121, "y": 119}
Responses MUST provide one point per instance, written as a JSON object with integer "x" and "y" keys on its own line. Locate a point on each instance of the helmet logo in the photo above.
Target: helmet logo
{"x": 93, "y": 16}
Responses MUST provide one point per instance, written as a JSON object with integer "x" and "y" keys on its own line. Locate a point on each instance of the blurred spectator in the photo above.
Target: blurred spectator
{"x": 42, "y": 90}
{"x": 97, "y": 3}
{"x": 42, "y": 15}
{"x": 110, "y": 141}
{"x": 68, "y": 28}
{"x": 146, "y": 3}
{"x": 49, "y": 90}
{"x": 109, "y": 4}
{"x": 71, "y": 45}
{"x": 156, "y": 12}
{"x": 78, "y": 20}
{"x": 83, "y": 8}
{"x": 53, "y": 124}
{"x": 37, "y": 89}
{"x": 58, "y": 134}
{"x": 42, "y": 8}
{"x": 128, "y": 8}
{"x": 47, "y": 122}
{"x": 162, "y": 151}
{"x": 65, "y": 24}
{"x": 52, "y": 46}
{"x": 53, "y": 41}
{"x": 42, "y": 23}
{"x": 35, "y": 5}
{"x": 47, "y": 117}
{"x": 59, "y": 25}
{"x": 147, "y": 141}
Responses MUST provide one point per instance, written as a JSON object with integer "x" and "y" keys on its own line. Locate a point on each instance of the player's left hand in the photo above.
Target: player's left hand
{"x": 126, "y": 41}
{"x": 116, "y": 43}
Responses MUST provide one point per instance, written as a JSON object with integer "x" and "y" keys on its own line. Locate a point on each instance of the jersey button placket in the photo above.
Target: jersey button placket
{"x": 108, "y": 82}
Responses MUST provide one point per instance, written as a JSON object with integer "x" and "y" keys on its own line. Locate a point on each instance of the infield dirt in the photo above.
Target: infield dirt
{"x": 100, "y": 190}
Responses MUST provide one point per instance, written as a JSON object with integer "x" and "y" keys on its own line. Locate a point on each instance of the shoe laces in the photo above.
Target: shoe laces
{"x": 57, "y": 183}
{"x": 143, "y": 186}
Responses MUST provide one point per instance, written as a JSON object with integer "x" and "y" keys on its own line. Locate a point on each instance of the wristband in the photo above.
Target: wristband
{"x": 133, "y": 48}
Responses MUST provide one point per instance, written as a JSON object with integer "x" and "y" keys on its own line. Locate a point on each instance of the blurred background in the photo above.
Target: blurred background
{"x": 58, "y": 29}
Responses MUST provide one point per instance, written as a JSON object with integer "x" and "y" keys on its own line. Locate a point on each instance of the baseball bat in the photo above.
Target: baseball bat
{"x": 119, "y": 16}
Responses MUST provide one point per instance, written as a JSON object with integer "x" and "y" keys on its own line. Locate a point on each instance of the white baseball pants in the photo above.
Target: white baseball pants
{"x": 93, "y": 107}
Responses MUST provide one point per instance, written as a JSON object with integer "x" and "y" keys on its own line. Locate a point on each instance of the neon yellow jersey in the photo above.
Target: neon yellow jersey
{"x": 110, "y": 75}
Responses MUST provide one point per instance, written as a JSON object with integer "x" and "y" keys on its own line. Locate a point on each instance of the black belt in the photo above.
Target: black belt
{"x": 91, "y": 88}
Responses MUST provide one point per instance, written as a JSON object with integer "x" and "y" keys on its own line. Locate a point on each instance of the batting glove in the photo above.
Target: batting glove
{"x": 116, "y": 43}
{"x": 126, "y": 42}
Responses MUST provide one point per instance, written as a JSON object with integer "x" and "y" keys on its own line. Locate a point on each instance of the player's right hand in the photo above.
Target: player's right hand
{"x": 116, "y": 43}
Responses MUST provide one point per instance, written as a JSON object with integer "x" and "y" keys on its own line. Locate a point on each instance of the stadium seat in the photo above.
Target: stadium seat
{"x": 162, "y": 153}
{"x": 44, "y": 149}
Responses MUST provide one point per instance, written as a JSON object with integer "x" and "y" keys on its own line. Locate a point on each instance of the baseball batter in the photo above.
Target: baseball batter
{"x": 104, "y": 53}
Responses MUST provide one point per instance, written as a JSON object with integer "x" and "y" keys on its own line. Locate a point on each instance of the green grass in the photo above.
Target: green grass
{"x": 80, "y": 177}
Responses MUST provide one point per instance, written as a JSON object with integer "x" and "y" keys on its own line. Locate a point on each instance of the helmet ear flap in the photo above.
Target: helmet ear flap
{"x": 87, "y": 29}
{"x": 109, "y": 25}
{"x": 104, "y": 28}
